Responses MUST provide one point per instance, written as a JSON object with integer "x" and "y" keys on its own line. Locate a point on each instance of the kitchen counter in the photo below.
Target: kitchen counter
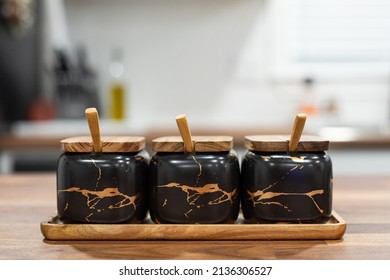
{"x": 28, "y": 199}
{"x": 47, "y": 134}
{"x": 38, "y": 141}
{"x": 36, "y": 149}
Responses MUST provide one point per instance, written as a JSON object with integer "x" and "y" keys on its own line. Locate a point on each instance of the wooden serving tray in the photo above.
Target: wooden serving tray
{"x": 55, "y": 229}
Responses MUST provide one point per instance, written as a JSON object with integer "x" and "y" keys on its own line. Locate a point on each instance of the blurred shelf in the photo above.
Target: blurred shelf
{"x": 36, "y": 146}
{"x": 47, "y": 135}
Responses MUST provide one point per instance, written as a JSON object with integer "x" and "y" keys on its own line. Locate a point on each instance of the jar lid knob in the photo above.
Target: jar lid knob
{"x": 185, "y": 133}
{"x": 94, "y": 128}
{"x": 299, "y": 124}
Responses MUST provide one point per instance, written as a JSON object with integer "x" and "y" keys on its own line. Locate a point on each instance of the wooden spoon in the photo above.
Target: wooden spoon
{"x": 185, "y": 133}
{"x": 296, "y": 133}
{"x": 94, "y": 128}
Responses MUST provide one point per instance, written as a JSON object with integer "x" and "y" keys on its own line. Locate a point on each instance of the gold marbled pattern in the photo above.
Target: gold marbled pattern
{"x": 194, "y": 193}
{"x": 94, "y": 197}
{"x": 100, "y": 173}
{"x": 200, "y": 170}
{"x": 266, "y": 197}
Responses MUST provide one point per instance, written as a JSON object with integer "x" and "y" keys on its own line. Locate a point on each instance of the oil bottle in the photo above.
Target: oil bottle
{"x": 117, "y": 90}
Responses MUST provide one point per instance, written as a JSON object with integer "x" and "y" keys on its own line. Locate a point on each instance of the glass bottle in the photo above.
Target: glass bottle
{"x": 117, "y": 87}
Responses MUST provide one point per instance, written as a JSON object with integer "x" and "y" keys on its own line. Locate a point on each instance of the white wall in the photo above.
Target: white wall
{"x": 208, "y": 59}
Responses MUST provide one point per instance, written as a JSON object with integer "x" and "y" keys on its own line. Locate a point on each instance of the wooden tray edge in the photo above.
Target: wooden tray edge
{"x": 122, "y": 232}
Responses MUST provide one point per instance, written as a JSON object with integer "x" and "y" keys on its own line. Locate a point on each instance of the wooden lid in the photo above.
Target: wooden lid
{"x": 201, "y": 143}
{"x": 110, "y": 144}
{"x": 279, "y": 143}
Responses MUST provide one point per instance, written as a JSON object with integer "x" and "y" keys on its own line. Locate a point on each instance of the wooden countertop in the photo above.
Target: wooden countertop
{"x": 28, "y": 199}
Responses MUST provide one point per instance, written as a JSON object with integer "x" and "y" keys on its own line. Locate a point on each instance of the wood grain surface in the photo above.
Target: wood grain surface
{"x": 280, "y": 143}
{"x": 54, "y": 229}
{"x": 296, "y": 133}
{"x": 92, "y": 117}
{"x": 110, "y": 144}
{"x": 28, "y": 199}
{"x": 201, "y": 143}
{"x": 185, "y": 132}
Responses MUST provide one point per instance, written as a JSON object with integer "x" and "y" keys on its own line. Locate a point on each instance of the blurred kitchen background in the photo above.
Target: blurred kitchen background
{"x": 234, "y": 67}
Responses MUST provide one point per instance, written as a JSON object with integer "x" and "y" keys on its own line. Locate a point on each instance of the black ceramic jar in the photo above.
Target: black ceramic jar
{"x": 280, "y": 186}
{"x": 103, "y": 187}
{"x": 199, "y": 187}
